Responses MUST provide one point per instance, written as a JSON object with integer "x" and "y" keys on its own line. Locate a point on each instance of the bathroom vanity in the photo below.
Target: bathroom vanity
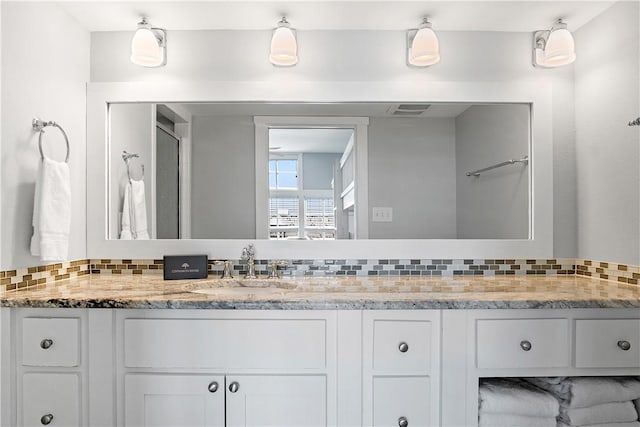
{"x": 142, "y": 352}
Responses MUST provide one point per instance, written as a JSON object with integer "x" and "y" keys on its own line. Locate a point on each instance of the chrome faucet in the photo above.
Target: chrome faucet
{"x": 228, "y": 268}
{"x": 274, "y": 273}
{"x": 248, "y": 253}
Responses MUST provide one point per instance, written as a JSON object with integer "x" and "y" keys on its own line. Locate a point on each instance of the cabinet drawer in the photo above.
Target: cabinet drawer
{"x": 395, "y": 398}
{"x": 51, "y": 395}
{"x": 401, "y": 345}
{"x": 522, "y": 343}
{"x": 608, "y": 343}
{"x": 50, "y": 341}
{"x": 225, "y": 344}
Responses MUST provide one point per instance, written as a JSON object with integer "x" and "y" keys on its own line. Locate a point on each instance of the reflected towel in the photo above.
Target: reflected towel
{"x": 134, "y": 212}
{"x": 510, "y": 420}
{"x": 518, "y": 398}
{"x": 52, "y": 212}
{"x": 615, "y": 412}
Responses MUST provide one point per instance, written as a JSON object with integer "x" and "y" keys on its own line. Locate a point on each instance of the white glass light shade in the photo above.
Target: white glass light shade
{"x": 559, "y": 49}
{"x": 553, "y": 48}
{"x": 146, "y": 49}
{"x": 284, "y": 47}
{"x": 425, "y": 48}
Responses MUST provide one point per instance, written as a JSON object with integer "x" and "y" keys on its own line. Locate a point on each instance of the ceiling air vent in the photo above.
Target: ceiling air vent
{"x": 408, "y": 110}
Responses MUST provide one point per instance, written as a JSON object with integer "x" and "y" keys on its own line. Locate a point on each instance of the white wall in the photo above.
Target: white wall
{"x": 412, "y": 169}
{"x": 45, "y": 66}
{"x": 132, "y": 129}
{"x": 223, "y": 203}
{"x": 607, "y": 150}
{"x": 494, "y": 205}
{"x": 365, "y": 56}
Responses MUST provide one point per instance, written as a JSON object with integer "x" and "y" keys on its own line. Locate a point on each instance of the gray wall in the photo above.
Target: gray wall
{"x": 412, "y": 170}
{"x": 223, "y": 201}
{"x": 131, "y": 130}
{"x": 494, "y": 205}
{"x": 607, "y": 150}
{"x": 317, "y": 170}
{"x": 45, "y": 66}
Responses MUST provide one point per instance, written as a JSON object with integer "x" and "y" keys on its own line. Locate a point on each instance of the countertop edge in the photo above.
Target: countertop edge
{"x": 318, "y": 305}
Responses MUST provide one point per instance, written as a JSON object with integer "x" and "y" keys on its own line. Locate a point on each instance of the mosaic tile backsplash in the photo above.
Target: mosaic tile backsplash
{"x": 38, "y": 275}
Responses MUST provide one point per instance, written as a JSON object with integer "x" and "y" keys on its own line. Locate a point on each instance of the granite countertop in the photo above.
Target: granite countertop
{"x": 151, "y": 291}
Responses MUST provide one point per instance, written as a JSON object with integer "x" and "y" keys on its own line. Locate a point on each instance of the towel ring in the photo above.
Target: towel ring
{"x": 39, "y": 126}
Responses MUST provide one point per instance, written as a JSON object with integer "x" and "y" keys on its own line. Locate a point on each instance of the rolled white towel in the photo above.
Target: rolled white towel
{"x": 615, "y": 412}
{"x": 510, "y": 420}
{"x": 637, "y": 403}
{"x": 589, "y": 391}
{"x": 518, "y": 398}
{"x": 629, "y": 424}
{"x": 560, "y": 387}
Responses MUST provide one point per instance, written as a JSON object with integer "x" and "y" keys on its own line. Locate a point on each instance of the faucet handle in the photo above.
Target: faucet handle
{"x": 273, "y": 268}
{"x": 228, "y": 268}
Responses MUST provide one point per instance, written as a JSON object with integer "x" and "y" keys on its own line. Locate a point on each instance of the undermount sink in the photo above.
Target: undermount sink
{"x": 241, "y": 286}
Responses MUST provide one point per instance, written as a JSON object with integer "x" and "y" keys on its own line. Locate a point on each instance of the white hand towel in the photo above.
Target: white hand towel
{"x": 629, "y": 424}
{"x": 134, "y": 212}
{"x": 637, "y": 403}
{"x": 139, "y": 210}
{"x": 510, "y": 420}
{"x": 589, "y": 391}
{"x": 52, "y": 212}
{"x": 125, "y": 222}
{"x": 518, "y": 398}
{"x": 615, "y": 412}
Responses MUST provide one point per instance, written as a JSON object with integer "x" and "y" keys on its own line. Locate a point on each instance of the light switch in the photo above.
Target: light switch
{"x": 382, "y": 215}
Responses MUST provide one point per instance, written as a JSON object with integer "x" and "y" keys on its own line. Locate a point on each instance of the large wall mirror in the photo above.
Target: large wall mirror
{"x": 421, "y": 172}
{"x": 460, "y": 171}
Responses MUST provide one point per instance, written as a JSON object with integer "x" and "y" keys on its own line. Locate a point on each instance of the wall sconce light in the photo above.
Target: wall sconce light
{"x": 149, "y": 45}
{"x": 423, "y": 48}
{"x": 284, "y": 47}
{"x": 554, "y": 47}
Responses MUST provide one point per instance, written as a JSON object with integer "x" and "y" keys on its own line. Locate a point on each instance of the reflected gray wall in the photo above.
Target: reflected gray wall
{"x": 223, "y": 200}
{"x": 131, "y": 129}
{"x": 317, "y": 170}
{"x": 412, "y": 170}
{"x": 494, "y": 205}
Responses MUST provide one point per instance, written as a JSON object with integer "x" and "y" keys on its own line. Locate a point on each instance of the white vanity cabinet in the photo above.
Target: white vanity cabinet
{"x": 50, "y": 366}
{"x": 226, "y": 368}
{"x": 401, "y": 368}
{"x": 531, "y": 343}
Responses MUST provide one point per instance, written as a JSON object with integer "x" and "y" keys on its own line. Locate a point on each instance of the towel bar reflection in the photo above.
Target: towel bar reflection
{"x": 39, "y": 126}
{"x": 524, "y": 161}
{"x": 127, "y": 157}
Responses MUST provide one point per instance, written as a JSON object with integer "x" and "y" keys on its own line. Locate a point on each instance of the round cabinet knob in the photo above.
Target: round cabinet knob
{"x": 46, "y": 419}
{"x": 624, "y": 345}
{"x": 213, "y": 386}
{"x": 403, "y": 347}
{"x": 525, "y": 345}
{"x": 46, "y": 343}
{"x": 403, "y": 422}
{"x": 234, "y": 387}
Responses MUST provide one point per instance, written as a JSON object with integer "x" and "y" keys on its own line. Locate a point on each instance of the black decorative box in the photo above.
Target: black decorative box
{"x": 185, "y": 267}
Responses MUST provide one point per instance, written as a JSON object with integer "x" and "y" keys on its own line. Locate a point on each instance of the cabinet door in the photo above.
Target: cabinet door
{"x": 402, "y": 401}
{"x": 174, "y": 400}
{"x": 50, "y": 399}
{"x": 270, "y": 400}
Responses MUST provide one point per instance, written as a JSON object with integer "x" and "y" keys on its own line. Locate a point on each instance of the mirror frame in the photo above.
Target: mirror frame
{"x": 538, "y": 95}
